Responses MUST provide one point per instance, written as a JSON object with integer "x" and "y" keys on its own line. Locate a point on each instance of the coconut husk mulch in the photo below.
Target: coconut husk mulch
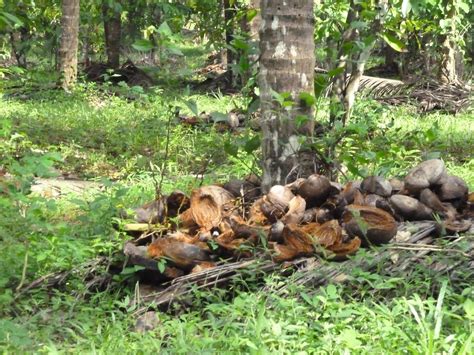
{"x": 222, "y": 232}
{"x": 310, "y": 231}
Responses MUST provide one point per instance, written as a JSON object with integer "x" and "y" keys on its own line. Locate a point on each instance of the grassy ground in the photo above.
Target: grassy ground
{"x": 122, "y": 142}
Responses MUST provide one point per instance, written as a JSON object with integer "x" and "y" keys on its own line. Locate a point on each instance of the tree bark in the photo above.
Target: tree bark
{"x": 286, "y": 66}
{"x": 229, "y": 14}
{"x": 112, "y": 31}
{"x": 69, "y": 43}
{"x": 448, "y": 72}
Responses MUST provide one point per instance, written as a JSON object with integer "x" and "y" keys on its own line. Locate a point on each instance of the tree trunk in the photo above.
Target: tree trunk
{"x": 112, "y": 31}
{"x": 19, "y": 43}
{"x": 448, "y": 73}
{"x": 346, "y": 84}
{"x": 286, "y": 66}
{"x": 229, "y": 14}
{"x": 69, "y": 43}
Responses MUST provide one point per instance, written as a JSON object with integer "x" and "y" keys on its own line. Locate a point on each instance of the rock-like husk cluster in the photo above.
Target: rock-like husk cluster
{"x": 309, "y": 216}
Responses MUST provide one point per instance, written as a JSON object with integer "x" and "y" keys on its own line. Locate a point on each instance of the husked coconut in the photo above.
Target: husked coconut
{"x": 376, "y": 185}
{"x": 371, "y": 224}
{"x": 315, "y": 190}
{"x": 243, "y": 189}
{"x": 410, "y": 208}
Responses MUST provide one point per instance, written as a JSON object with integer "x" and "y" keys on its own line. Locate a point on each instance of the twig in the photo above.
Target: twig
{"x": 23, "y": 273}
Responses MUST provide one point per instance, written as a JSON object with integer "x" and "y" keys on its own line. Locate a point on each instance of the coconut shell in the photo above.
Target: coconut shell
{"x": 453, "y": 227}
{"x": 410, "y": 208}
{"x": 315, "y": 190}
{"x": 280, "y": 196}
{"x": 372, "y": 199}
{"x": 453, "y": 188}
{"x": 371, "y": 224}
{"x": 376, "y": 185}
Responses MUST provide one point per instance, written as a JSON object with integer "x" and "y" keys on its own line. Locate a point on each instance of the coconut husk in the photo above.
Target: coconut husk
{"x": 209, "y": 204}
{"x": 315, "y": 190}
{"x": 376, "y": 185}
{"x": 371, "y": 224}
{"x": 342, "y": 250}
{"x": 410, "y": 208}
{"x": 151, "y": 212}
{"x": 430, "y": 199}
{"x": 180, "y": 254}
{"x": 176, "y": 203}
{"x": 453, "y": 188}
{"x": 256, "y": 215}
{"x": 428, "y": 173}
{"x": 326, "y": 234}
{"x": 296, "y": 210}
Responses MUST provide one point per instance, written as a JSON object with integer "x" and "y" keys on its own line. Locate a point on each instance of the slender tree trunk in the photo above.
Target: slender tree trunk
{"x": 69, "y": 43}
{"x": 346, "y": 84}
{"x": 286, "y": 66}
{"x": 112, "y": 30}
{"x": 19, "y": 43}
{"x": 229, "y": 14}
{"x": 448, "y": 73}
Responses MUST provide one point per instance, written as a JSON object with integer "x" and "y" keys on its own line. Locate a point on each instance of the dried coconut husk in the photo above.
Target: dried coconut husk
{"x": 295, "y": 185}
{"x": 397, "y": 185}
{"x": 205, "y": 265}
{"x": 256, "y": 215}
{"x": 326, "y": 234}
{"x": 315, "y": 190}
{"x": 276, "y": 203}
{"x": 232, "y": 245}
{"x": 182, "y": 255}
{"x": 431, "y": 200}
{"x": 371, "y": 224}
{"x": 410, "y": 208}
{"x": 376, "y": 185}
{"x": 296, "y": 210}
{"x": 343, "y": 250}
{"x": 452, "y": 227}
{"x": 335, "y": 205}
{"x": 151, "y": 212}
{"x": 186, "y": 220}
{"x": 428, "y": 173}
{"x": 177, "y": 202}
{"x": 209, "y": 204}
{"x": 243, "y": 189}
{"x": 316, "y": 214}
{"x": 295, "y": 243}
{"x": 453, "y": 188}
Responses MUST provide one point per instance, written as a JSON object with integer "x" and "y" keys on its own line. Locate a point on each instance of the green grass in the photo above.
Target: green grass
{"x": 99, "y": 135}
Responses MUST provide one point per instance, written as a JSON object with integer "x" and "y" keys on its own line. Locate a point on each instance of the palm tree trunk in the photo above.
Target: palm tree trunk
{"x": 69, "y": 43}
{"x": 286, "y": 66}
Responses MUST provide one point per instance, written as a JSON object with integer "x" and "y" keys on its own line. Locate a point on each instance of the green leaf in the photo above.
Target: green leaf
{"x": 406, "y": 7}
{"x": 231, "y": 149}
{"x": 165, "y": 30}
{"x": 252, "y": 144}
{"x": 219, "y": 116}
{"x": 161, "y": 265}
{"x": 307, "y": 98}
{"x": 192, "y": 105}
{"x": 336, "y": 71}
{"x": 143, "y": 45}
{"x": 394, "y": 42}
{"x": 251, "y": 13}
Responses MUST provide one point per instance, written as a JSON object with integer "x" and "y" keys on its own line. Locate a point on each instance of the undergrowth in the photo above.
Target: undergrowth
{"x": 120, "y": 140}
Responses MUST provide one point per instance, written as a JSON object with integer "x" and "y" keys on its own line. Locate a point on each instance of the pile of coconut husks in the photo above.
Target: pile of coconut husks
{"x": 178, "y": 235}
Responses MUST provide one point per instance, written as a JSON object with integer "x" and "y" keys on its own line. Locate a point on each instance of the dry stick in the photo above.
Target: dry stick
{"x": 23, "y": 272}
